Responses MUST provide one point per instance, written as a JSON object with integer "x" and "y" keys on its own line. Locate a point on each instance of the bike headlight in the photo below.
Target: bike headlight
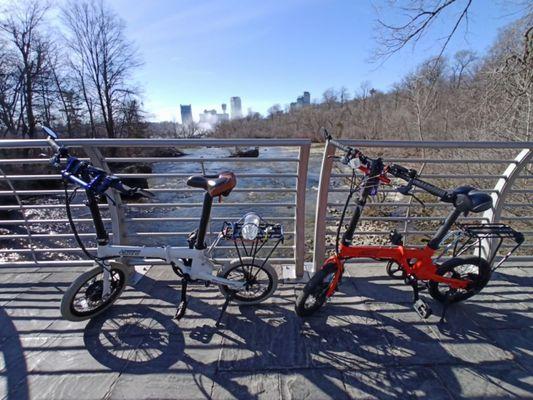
{"x": 250, "y": 226}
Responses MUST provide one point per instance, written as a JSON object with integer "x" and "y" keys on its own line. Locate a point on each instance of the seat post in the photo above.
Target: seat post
{"x": 204, "y": 220}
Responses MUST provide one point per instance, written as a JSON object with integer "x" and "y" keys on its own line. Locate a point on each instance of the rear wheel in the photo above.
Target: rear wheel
{"x": 261, "y": 280}
{"x": 314, "y": 292}
{"x": 474, "y": 269}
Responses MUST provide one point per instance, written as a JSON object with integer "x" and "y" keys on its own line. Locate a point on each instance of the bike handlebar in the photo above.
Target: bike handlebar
{"x": 78, "y": 172}
{"x": 409, "y": 175}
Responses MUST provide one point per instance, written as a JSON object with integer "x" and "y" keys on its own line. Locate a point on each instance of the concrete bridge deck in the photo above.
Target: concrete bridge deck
{"x": 367, "y": 343}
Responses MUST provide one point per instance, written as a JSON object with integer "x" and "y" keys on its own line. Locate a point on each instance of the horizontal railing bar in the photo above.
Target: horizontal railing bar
{"x": 93, "y": 249}
{"x": 523, "y": 191}
{"x": 383, "y": 190}
{"x": 392, "y": 204}
{"x": 10, "y": 161}
{"x": 447, "y": 161}
{"x": 438, "y": 176}
{"x": 38, "y": 143}
{"x": 431, "y": 144}
{"x": 93, "y": 234}
{"x": 154, "y": 175}
{"x": 215, "y": 204}
{"x": 197, "y": 159}
{"x": 147, "y": 205}
{"x": 83, "y": 262}
{"x": 153, "y": 190}
{"x": 135, "y": 219}
{"x": 412, "y": 218}
{"x": 403, "y": 232}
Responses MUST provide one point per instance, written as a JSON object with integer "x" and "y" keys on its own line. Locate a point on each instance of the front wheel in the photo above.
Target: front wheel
{"x": 475, "y": 269}
{"x": 84, "y": 298}
{"x": 314, "y": 292}
{"x": 260, "y": 279}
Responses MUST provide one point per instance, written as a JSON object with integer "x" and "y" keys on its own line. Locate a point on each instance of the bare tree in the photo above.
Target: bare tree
{"x": 10, "y": 91}
{"x": 103, "y": 58}
{"x": 420, "y": 15}
{"x": 21, "y": 28}
{"x": 463, "y": 61}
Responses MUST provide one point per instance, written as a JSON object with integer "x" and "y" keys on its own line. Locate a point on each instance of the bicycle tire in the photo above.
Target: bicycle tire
{"x": 68, "y": 309}
{"x": 256, "y": 263}
{"x": 480, "y": 279}
{"x": 317, "y": 287}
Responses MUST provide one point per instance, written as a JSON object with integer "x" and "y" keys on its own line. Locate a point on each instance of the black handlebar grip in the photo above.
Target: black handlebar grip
{"x": 432, "y": 189}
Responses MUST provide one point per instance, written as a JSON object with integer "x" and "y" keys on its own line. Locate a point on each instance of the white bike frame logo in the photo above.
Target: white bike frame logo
{"x": 129, "y": 253}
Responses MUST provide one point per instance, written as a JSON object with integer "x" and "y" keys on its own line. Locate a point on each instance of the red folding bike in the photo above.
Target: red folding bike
{"x": 457, "y": 279}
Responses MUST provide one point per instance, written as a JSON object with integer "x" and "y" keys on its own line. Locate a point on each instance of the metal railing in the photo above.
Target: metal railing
{"x": 35, "y": 230}
{"x": 491, "y": 166}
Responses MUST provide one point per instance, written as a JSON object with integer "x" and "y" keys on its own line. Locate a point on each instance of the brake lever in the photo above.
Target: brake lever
{"x": 406, "y": 191}
{"x": 417, "y": 199}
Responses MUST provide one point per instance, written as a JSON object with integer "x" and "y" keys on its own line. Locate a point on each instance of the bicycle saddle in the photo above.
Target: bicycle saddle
{"x": 216, "y": 185}
{"x": 469, "y": 198}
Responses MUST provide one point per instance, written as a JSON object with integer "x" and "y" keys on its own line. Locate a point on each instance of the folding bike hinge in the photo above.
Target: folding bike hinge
{"x": 182, "y": 306}
{"x": 229, "y": 297}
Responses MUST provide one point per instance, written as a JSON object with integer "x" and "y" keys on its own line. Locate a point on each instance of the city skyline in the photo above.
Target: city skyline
{"x": 261, "y": 52}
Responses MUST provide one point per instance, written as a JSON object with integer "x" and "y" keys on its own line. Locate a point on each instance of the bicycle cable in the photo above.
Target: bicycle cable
{"x": 68, "y": 199}
{"x": 353, "y": 188}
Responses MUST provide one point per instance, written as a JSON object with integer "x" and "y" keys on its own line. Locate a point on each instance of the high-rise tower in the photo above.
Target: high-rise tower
{"x": 236, "y": 107}
{"x": 186, "y": 114}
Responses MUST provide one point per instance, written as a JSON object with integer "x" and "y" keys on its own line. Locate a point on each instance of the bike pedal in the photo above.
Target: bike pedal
{"x": 180, "y": 311}
{"x": 422, "y": 309}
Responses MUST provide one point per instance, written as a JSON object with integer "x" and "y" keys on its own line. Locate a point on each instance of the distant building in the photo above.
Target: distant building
{"x": 235, "y": 107}
{"x": 186, "y": 114}
{"x": 301, "y": 101}
{"x": 210, "y": 118}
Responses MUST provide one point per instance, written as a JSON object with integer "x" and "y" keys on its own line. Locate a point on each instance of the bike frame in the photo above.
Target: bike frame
{"x": 202, "y": 264}
{"x": 415, "y": 262}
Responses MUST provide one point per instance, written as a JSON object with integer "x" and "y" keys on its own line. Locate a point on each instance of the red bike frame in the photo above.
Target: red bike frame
{"x": 415, "y": 262}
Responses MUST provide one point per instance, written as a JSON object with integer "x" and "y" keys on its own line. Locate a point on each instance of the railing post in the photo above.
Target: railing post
{"x": 299, "y": 223}
{"x": 322, "y": 207}
{"x": 501, "y": 190}
{"x": 116, "y": 209}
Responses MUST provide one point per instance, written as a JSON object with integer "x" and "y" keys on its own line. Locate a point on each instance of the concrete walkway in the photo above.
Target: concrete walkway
{"x": 367, "y": 343}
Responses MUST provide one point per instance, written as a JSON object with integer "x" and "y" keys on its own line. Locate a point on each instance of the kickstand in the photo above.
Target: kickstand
{"x": 444, "y": 308}
{"x": 182, "y": 306}
{"x": 229, "y": 297}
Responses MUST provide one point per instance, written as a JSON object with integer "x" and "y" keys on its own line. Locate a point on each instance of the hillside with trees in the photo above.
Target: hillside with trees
{"x": 463, "y": 97}
{"x": 76, "y": 75}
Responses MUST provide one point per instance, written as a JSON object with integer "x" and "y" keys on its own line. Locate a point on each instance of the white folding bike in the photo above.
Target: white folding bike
{"x": 244, "y": 280}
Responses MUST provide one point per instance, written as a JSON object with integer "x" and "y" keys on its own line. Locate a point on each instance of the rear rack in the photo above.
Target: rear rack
{"x": 251, "y": 248}
{"x": 472, "y": 235}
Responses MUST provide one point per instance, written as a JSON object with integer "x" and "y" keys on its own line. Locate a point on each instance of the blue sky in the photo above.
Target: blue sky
{"x": 203, "y": 52}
